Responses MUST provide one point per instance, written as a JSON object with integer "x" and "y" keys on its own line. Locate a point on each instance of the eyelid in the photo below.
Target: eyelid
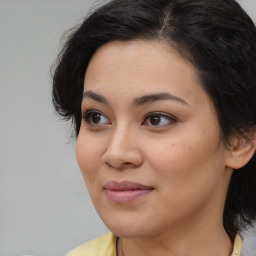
{"x": 161, "y": 114}
{"x": 164, "y": 114}
{"x": 86, "y": 115}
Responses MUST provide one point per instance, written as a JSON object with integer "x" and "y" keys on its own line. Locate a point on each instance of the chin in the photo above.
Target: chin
{"x": 128, "y": 232}
{"x": 126, "y": 227}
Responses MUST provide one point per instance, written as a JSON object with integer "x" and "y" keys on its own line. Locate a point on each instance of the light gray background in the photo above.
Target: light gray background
{"x": 44, "y": 207}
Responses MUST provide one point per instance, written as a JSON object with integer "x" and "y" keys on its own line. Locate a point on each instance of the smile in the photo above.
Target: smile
{"x": 126, "y": 191}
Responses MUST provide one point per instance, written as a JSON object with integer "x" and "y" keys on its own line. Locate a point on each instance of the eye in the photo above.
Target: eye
{"x": 158, "y": 119}
{"x": 95, "y": 118}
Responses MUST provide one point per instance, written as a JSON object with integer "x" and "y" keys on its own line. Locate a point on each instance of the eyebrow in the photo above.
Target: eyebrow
{"x": 95, "y": 96}
{"x": 145, "y": 99}
{"x": 157, "y": 96}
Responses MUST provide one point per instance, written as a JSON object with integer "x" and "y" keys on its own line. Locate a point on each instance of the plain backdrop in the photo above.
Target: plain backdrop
{"x": 44, "y": 206}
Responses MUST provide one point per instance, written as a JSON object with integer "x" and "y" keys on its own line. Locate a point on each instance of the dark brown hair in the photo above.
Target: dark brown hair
{"x": 217, "y": 37}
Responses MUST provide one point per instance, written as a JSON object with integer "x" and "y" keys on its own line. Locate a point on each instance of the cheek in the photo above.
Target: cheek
{"x": 186, "y": 177}
{"x": 87, "y": 154}
{"x": 187, "y": 162}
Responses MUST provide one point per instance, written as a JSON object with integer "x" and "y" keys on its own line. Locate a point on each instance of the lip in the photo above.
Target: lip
{"x": 126, "y": 191}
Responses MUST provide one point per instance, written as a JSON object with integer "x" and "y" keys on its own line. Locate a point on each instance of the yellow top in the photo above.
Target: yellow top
{"x": 237, "y": 246}
{"x": 106, "y": 246}
{"x": 102, "y": 246}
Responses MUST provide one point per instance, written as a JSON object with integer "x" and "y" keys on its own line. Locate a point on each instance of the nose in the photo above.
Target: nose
{"x": 122, "y": 150}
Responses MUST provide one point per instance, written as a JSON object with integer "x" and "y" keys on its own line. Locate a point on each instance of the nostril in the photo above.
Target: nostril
{"x": 119, "y": 165}
{"x": 108, "y": 164}
{"x": 127, "y": 163}
{"x": 117, "y": 157}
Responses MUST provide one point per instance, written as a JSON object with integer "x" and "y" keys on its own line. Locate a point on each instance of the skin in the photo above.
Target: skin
{"x": 181, "y": 157}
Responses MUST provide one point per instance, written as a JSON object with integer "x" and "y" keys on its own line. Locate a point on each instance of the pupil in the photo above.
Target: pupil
{"x": 96, "y": 118}
{"x": 155, "y": 120}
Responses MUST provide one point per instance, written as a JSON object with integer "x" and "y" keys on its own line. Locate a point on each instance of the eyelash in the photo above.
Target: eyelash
{"x": 170, "y": 119}
{"x": 87, "y": 115}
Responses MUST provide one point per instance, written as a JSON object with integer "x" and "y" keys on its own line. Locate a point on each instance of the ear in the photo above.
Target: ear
{"x": 242, "y": 150}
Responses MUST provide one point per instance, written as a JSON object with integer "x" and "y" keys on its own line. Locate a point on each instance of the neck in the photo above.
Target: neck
{"x": 219, "y": 245}
{"x": 184, "y": 241}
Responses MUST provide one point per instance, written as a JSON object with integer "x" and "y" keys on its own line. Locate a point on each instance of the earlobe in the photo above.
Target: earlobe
{"x": 241, "y": 152}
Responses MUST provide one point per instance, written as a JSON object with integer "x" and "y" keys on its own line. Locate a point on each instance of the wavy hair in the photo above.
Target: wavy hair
{"x": 217, "y": 37}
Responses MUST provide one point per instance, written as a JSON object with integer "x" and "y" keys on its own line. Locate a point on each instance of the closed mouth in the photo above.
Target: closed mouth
{"x": 126, "y": 191}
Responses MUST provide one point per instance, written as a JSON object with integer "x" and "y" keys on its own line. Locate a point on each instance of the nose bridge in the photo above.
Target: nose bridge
{"x": 122, "y": 149}
{"x": 121, "y": 140}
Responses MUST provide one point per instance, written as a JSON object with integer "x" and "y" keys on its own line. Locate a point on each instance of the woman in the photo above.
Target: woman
{"x": 162, "y": 96}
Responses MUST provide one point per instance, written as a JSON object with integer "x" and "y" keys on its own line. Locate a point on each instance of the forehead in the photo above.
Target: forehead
{"x": 142, "y": 66}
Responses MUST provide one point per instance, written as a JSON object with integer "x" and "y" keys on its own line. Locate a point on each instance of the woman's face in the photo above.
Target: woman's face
{"x": 149, "y": 144}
